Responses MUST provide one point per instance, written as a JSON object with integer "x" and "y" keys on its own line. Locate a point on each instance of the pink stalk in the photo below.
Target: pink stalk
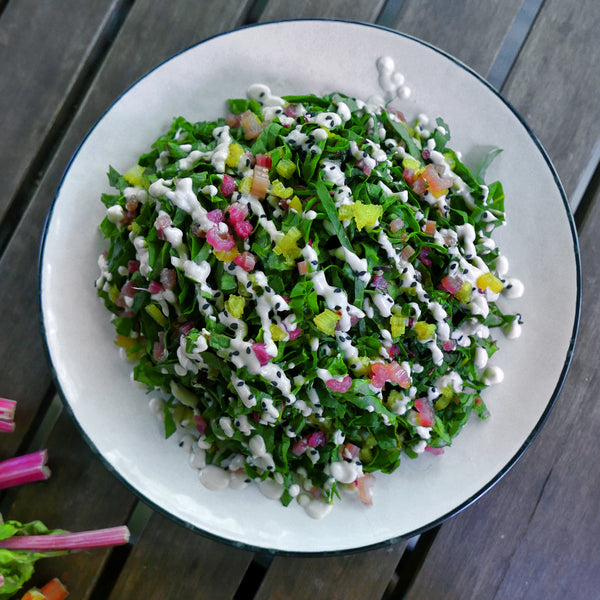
{"x": 7, "y": 415}
{"x": 7, "y": 426}
{"x": 111, "y": 536}
{"x": 7, "y": 409}
{"x": 24, "y": 469}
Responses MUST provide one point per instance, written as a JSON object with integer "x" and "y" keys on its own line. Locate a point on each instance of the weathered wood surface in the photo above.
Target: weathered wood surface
{"x": 535, "y": 534}
{"x": 359, "y": 10}
{"x": 350, "y": 577}
{"x": 554, "y": 85}
{"x": 531, "y": 536}
{"x": 471, "y": 31}
{"x": 38, "y": 81}
{"x": 169, "y": 561}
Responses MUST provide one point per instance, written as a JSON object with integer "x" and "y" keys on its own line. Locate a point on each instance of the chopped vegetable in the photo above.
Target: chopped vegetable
{"x": 329, "y": 285}
{"x": 53, "y": 590}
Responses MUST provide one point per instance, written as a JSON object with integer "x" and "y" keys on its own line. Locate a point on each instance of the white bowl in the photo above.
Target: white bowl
{"x": 326, "y": 56}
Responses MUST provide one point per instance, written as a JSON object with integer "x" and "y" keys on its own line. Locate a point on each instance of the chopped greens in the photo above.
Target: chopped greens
{"x": 307, "y": 288}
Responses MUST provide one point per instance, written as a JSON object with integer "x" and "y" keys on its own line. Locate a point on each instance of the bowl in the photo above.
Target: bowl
{"x": 539, "y": 240}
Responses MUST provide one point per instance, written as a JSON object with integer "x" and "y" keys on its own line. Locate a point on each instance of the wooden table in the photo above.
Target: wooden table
{"x": 534, "y": 535}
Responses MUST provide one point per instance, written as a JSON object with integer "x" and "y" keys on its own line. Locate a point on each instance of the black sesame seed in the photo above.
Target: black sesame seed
{"x": 251, "y": 397}
{"x": 337, "y": 307}
{"x": 236, "y": 353}
{"x": 278, "y": 374}
{"x": 268, "y": 289}
{"x": 248, "y": 350}
{"x": 234, "y": 326}
{"x": 240, "y": 384}
{"x": 338, "y": 290}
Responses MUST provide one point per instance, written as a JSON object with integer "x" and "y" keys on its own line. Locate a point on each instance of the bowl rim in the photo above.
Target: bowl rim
{"x": 475, "y": 496}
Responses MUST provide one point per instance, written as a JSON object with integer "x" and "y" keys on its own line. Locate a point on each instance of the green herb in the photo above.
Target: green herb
{"x": 318, "y": 316}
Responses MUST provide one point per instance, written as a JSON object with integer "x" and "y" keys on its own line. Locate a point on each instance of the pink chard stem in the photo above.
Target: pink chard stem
{"x": 7, "y": 409}
{"x": 7, "y": 426}
{"x": 111, "y": 536}
{"x": 24, "y": 469}
{"x": 7, "y": 415}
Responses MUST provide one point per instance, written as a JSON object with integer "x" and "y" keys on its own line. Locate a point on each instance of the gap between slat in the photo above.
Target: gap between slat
{"x": 513, "y": 42}
{"x": 389, "y": 13}
{"x": 587, "y": 189}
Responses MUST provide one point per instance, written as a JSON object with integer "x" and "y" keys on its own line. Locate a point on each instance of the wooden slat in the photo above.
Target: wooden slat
{"x": 172, "y": 562}
{"x": 44, "y": 47}
{"x": 80, "y": 495}
{"x": 535, "y": 535}
{"x": 152, "y": 32}
{"x": 555, "y": 82}
{"x": 43, "y": 52}
{"x": 471, "y": 30}
{"x": 358, "y": 10}
{"x": 156, "y": 32}
{"x": 350, "y": 577}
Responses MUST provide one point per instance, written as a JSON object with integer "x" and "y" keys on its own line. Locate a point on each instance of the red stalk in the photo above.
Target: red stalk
{"x": 111, "y": 536}
{"x": 7, "y": 426}
{"x": 7, "y": 409}
{"x": 24, "y": 469}
{"x": 7, "y": 415}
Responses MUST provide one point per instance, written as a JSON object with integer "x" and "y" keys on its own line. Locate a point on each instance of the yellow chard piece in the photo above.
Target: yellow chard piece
{"x": 235, "y": 306}
{"x": 287, "y": 245}
{"x": 326, "y": 321}
{"x": 135, "y": 176}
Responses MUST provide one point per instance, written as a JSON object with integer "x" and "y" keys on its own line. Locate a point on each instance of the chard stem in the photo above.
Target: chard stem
{"x": 24, "y": 469}
{"x": 111, "y": 536}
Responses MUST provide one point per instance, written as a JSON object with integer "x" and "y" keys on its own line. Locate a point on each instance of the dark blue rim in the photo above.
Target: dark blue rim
{"x": 486, "y": 487}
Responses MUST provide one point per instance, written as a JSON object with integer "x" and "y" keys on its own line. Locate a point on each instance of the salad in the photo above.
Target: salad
{"x": 308, "y": 289}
